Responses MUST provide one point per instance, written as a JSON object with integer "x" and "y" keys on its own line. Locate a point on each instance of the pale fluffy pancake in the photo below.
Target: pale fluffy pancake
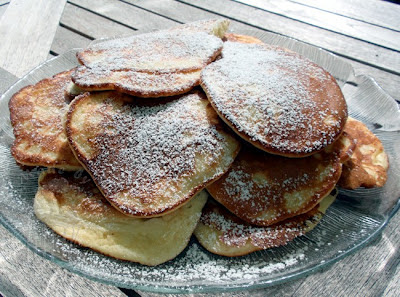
{"x": 368, "y": 165}
{"x": 37, "y": 115}
{"x": 149, "y": 157}
{"x": 263, "y": 189}
{"x": 275, "y": 99}
{"x": 75, "y": 209}
{"x": 162, "y": 63}
{"x": 220, "y": 232}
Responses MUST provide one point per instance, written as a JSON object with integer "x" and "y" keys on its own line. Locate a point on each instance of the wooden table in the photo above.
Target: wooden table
{"x": 365, "y": 33}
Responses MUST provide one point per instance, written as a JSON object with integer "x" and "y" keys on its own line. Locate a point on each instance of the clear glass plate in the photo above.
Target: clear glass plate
{"x": 354, "y": 219}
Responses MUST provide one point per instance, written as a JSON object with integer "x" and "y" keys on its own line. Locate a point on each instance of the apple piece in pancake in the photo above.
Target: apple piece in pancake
{"x": 222, "y": 233}
{"x": 368, "y": 165}
{"x": 161, "y": 63}
{"x": 150, "y": 157}
{"x": 37, "y": 115}
{"x": 263, "y": 189}
{"x": 241, "y": 38}
{"x": 275, "y": 99}
{"x": 74, "y": 208}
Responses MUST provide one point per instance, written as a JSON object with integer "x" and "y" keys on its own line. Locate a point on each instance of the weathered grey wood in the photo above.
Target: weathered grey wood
{"x": 25, "y": 44}
{"x": 3, "y": 9}
{"x": 65, "y": 40}
{"x": 380, "y": 13}
{"x": 125, "y": 13}
{"x": 23, "y": 273}
{"x": 337, "y": 43}
{"x": 91, "y": 24}
{"x": 330, "y": 21}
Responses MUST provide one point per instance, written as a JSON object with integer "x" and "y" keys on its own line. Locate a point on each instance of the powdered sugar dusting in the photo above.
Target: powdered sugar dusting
{"x": 161, "y": 52}
{"x": 236, "y": 233}
{"x": 152, "y": 156}
{"x": 275, "y": 97}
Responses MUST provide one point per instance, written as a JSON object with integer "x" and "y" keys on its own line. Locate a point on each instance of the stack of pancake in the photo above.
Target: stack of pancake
{"x": 136, "y": 136}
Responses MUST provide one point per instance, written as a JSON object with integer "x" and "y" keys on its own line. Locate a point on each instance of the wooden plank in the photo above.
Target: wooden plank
{"x": 125, "y": 13}
{"x": 65, "y": 40}
{"x": 26, "y": 43}
{"x": 3, "y": 9}
{"x": 90, "y": 24}
{"x": 337, "y": 43}
{"x": 330, "y": 21}
{"x": 23, "y": 273}
{"x": 380, "y": 13}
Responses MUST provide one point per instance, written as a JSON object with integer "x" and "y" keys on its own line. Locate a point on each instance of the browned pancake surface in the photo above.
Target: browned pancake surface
{"x": 162, "y": 63}
{"x": 369, "y": 163}
{"x": 276, "y": 99}
{"x": 264, "y": 189}
{"x": 149, "y": 158}
{"x": 37, "y": 115}
{"x": 222, "y": 233}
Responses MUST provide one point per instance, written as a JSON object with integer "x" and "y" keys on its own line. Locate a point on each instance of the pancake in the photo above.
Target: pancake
{"x": 216, "y": 27}
{"x": 368, "y": 165}
{"x": 241, "y": 38}
{"x": 263, "y": 189}
{"x": 37, "y": 115}
{"x": 157, "y": 64}
{"x": 75, "y": 209}
{"x": 149, "y": 157}
{"x": 221, "y": 233}
{"x": 275, "y": 99}
{"x": 135, "y": 83}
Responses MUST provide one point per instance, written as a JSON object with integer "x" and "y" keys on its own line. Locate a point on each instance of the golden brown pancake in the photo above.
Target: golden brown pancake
{"x": 241, "y": 38}
{"x": 275, "y": 99}
{"x": 368, "y": 165}
{"x": 37, "y": 117}
{"x": 222, "y": 233}
{"x": 149, "y": 157}
{"x": 74, "y": 208}
{"x": 263, "y": 189}
{"x": 162, "y": 63}
{"x": 135, "y": 83}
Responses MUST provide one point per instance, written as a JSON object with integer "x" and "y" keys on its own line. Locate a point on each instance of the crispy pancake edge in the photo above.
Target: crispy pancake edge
{"x": 82, "y": 160}
{"x": 37, "y": 160}
{"x": 270, "y": 149}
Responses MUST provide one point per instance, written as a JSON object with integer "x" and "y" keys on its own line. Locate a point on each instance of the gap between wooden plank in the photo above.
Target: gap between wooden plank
{"x": 351, "y": 48}
{"x": 125, "y": 13}
{"x": 329, "y": 21}
{"x": 27, "y": 29}
{"x": 91, "y": 25}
